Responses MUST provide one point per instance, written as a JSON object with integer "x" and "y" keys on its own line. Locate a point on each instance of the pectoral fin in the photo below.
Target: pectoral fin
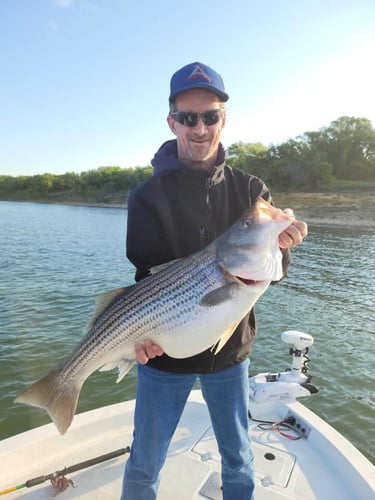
{"x": 219, "y": 295}
{"x": 224, "y": 338}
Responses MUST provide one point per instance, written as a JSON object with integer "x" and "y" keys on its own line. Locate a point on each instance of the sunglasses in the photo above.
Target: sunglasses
{"x": 191, "y": 118}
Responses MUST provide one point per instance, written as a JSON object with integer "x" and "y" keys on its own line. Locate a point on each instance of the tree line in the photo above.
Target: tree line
{"x": 317, "y": 160}
{"x": 105, "y": 184}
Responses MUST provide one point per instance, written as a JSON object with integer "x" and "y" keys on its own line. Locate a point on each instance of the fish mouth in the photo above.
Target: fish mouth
{"x": 250, "y": 282}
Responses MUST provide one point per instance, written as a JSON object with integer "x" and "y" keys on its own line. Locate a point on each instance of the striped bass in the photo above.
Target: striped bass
{"x": 186, "y": 306}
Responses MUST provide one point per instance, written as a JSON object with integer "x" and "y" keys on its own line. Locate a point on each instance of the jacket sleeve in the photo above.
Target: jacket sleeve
{"x": 259, "y": 188}
{"x": 146, "y": 245}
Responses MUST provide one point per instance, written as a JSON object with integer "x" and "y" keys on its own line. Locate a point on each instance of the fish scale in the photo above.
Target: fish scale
{"x": 175, "y": 295}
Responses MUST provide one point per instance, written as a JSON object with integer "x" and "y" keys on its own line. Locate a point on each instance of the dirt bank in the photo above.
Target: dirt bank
{"x": 334, "y": 209}
{"x": 329, "y": 209}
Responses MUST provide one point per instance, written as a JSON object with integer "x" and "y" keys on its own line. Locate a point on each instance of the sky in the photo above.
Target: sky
{"x": 85, "y": 83}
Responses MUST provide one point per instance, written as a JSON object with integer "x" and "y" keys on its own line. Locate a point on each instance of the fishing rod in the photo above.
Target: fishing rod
{"x": 53, "y": 476}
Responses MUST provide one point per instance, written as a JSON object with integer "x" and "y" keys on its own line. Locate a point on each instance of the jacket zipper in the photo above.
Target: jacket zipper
{"x": 202, "y": 236}
{"x": 209, "y": 184}
{"x": 204, "y": 230}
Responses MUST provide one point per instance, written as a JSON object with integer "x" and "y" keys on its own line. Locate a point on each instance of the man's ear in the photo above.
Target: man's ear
{"x": 172, "y": 124}
{"x": 224, "y": 119}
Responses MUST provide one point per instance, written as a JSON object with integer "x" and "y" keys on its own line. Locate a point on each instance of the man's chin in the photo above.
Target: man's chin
{"x": 200, "y": 152}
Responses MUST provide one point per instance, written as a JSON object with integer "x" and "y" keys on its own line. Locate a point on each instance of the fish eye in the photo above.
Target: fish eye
{"x": 248, "y": 222}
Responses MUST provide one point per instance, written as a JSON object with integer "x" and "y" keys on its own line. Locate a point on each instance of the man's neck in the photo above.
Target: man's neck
{"x": 208, "y": 164}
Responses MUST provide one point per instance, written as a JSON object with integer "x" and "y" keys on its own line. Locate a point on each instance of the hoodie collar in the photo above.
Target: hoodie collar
{"x": 166, "y": 159}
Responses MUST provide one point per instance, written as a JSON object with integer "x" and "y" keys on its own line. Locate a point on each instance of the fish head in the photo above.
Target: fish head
{"x": 250, "y": 249}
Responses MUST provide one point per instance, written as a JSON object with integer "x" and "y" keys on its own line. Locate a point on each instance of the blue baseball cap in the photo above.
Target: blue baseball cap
{"x": 197, "y": 76}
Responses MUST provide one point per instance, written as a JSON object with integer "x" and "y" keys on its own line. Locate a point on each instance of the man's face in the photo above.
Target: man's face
{"x": 198, "y": 145}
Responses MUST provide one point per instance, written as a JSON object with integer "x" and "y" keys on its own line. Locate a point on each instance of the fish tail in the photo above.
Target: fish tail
{"x": 56, "y": 396}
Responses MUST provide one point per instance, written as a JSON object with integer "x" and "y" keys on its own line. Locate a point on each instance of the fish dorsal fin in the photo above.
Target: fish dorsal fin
{"x": 103, "y": 301}
{"x": 160, "y": 267}
{"x": 219, "y": 295}
{"x": 224, "y": 338}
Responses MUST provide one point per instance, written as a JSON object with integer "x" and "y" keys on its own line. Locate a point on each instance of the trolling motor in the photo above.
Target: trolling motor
{"x": 292, "y": 383}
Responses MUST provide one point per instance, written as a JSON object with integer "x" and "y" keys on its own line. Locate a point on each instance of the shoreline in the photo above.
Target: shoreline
{"x": 316, "y": 209}
{"x": 352, "y": 210}
{"x": 346, "y": 222}
{"x": 351, "y": 220}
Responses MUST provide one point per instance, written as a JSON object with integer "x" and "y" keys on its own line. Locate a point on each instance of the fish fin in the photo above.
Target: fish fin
{"x": 224, "y": 339}
{"x": 103, "y": 301}
{"x": 123, "y": 365}
{"x": 109, "y": 366}
{"x": 55, "y": 396}
{"x": 219, "y": 295}
{"x": 161, "y": 267}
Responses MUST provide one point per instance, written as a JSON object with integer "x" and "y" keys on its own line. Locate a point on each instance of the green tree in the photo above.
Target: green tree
{"x": 349, "y": 146}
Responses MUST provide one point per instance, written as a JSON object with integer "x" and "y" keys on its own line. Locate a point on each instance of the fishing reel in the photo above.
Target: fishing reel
{"x": 293, "y": 382}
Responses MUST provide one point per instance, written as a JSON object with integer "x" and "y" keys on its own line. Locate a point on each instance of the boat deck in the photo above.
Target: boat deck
{"x": 316, "y": 467}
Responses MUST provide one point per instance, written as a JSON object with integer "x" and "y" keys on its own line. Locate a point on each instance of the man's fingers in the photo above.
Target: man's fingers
{"x": 147, "y": 350}
{"x": 293, "y": 235}
{"x": 140, "y": 354}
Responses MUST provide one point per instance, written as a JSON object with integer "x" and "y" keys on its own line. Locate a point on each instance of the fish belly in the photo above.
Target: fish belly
{"x": 209, "y": 324}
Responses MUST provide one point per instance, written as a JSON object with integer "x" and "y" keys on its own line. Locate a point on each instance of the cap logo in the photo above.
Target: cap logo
{"x": 200, "y": 73}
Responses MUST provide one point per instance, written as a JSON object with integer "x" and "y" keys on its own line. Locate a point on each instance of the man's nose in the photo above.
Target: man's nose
{"x": 200, "y": 128}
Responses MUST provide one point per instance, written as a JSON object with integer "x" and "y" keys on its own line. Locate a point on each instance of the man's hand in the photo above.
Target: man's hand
{"x": 147, "y": 350}
{"x": 294, "y": 234}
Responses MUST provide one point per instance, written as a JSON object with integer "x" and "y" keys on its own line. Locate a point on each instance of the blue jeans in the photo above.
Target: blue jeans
{"x": 161, "y": 397}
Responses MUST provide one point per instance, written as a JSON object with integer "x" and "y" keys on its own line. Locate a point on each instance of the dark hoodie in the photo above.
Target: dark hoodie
{"x": 177, "y": 212}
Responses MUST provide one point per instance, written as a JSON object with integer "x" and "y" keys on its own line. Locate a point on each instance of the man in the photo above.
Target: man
{"x": 192, "y": 198}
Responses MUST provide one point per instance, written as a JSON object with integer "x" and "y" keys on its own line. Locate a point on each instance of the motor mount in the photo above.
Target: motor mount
{"x": 291, "y": 383}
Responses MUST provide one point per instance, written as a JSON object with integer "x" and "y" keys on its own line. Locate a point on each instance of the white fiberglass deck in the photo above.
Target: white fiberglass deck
{"x": 321, "y": 467}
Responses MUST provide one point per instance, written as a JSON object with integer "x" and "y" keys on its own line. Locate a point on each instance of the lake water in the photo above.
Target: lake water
{"x": 56, "y": 259}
